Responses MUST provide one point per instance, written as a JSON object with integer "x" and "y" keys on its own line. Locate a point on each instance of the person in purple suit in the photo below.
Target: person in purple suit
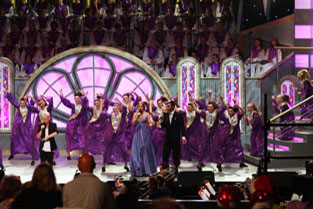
{"x": 208, "y": 112}
{"x": 74, "y": 133}
{"x": 22, "y": 140}
{"x": 117, "y": 147}
{"x": 305, "y": 92}
{"x": 227, "y": 144}
{"x": 257, "y": 130}
{"x": 280, "y": 105}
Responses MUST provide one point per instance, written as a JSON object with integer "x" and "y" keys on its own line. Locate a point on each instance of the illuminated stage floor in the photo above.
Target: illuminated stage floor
{"x": 65, "y": 169}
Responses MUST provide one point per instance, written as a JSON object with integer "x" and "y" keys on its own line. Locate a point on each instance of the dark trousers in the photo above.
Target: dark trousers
{"x": 167, "y": 148}
{"x": 46, "y": 157}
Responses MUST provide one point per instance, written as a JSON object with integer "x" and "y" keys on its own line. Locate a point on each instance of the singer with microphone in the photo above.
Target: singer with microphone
{"x": 46, "y": 132}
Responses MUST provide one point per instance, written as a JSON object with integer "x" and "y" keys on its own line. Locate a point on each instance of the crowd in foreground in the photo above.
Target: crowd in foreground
{"x": 88, "y": 192}
{"x": 32, "y": 34}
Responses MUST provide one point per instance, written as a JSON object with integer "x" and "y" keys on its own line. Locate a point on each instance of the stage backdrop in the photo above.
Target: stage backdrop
{"x": 6, "y": 69}
{"x": 96, "y": 70}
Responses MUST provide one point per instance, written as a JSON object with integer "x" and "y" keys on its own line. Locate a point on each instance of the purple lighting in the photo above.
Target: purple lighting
{"x": 302, "y": 60}
{"x": 303, "y": 4}
{"x": 303, "y": 31}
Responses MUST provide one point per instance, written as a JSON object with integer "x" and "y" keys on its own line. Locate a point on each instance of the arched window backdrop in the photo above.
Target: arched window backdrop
{"x": 96, "y": 70}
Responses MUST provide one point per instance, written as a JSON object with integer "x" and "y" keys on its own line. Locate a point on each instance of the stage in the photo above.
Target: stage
{"x": 65, "y": 170}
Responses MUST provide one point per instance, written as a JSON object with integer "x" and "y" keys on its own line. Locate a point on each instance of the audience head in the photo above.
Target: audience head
{"x": 166, "y": 204}
{"x": 86, "y": 163}
{"x": 228, "y": 197}
{"x": 44, "y": 178}
{"x": 9, "y": 187}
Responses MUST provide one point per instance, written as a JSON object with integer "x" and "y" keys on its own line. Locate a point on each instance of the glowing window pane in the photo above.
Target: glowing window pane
{"x": 120, "y": 64}
{"x": 100, "y": 62}
{"x": 66, "y": 64}
{"x": 86, "y": 62}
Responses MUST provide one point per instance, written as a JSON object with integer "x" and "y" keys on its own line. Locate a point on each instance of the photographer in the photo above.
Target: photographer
{"x": 46, "y": 132}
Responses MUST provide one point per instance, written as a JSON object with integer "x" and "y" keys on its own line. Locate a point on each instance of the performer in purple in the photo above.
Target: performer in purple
{"x": 126, "y": 21}
{"x": 64, "y": 21}
{"x": 227, "y": 144}
{"x": 142, "y": 158}
{"x": 151, "y": 20}
{"x": 253, "y": 62}
{"x": 157, "y": 132}
{"x": 21, "y": 19}
{"x": 22, "y": 140}
{"x": 280, "y": 105}
{"x": 129, "y": 5}
{"x": 170, "y": 19}
{"x": 209, "y": 113}
{"x": 15, "y": 34}
{"x": 214, "y": 67}
{"x": 208, "y": 18}
{"x": 229, "y": 51}
{"x": 179, "y": 50}
{"x": 141, "y": 39}
{"x": 183, "y": 7}
{"x": 193, "y": 126}
{"x": 74, "y": 133}
{"x": 174, "y": 126}
{"x": 179, "y": 33}
{"x": 306, "y": 91}
{"x": 119, "y": 38}
{"x": 203, "y": 49}
{"x": 77, "y": 8}
{"x": 130, "y": 107}
{"x": 73, "y": 35}
{"x": 257, "y": 130}
{"x": 145, "y": 6}
{"x": 31, "y": 34}
{"x": 116, "y": 148}
{"x": 59, "y": 7}
{"x": 161, "y": 36}
{"x": 98, "y": 36}
{"x": 171, "y": 66}
{"x": 43, "y": 20}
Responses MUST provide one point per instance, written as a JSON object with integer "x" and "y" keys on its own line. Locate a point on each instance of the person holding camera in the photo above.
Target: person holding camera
{"x": 46, "y": 132}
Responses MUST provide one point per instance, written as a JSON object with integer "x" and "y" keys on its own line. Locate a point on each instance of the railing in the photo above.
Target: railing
{"x": 268, "y": 123}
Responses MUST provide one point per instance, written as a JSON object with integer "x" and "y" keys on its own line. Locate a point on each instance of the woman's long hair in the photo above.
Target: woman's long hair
{"x": 44, "y": 178}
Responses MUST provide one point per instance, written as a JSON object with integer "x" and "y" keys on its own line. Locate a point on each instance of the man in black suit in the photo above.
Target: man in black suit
{"x": 46, "y": 132}
{"x": 173, "y": 122}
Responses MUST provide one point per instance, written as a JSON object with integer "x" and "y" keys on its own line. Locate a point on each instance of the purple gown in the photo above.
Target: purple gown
{"x": 227, "y": 144}
{"x": 286, "y": 132}
{"x": 257, "y": 135}
{"x": 74, "y": 133}
{"x": 306, "y": 92}
{"x": 191, "y": 150}
{"x": 22, "y": 140}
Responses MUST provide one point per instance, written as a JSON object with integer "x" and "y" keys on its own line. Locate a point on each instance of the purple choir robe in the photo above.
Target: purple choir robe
{"x": 146, "y": 6}
{"x": 183, "y": 6}
{"x": 22, "y": 140}
{"x": 53, "y": 37}
{"x": 170, "y": 21}
{"x": 110, "y": 7}
{"x": 125, "y": 21}
{"x": 229, "y": 51}
{"x": 172, "y": 68}
{"x": 120, "y": 38}
{"x": 128, "y": 5}
{"x": 31, "y": 50}
{"x": 306, "y": 92}
{"x": 74, "y": 37}
{"x": 77, "y": 8}
{"x": 204, "y": 34}
{"x": 191, "y": 150}
{"x": 190, "y": 22}
{"x": 286, "y": 132}
{"x": 272, "y": 52}
{"x": 158, "y": 138}
{"x": 227, "y": 144}
{"x": 108, "y": 23}
{"x": 203, "y": 52}
{"x": 256, "y": 52}
{"x": 21, "y": 22}
{"x": 65, "y": 22}
{"x": 215, "y": 68}
{"x": 59, "y": 8}
{"x": 257, "y": 135}
{"x": 117, "y": 150}
{"x": 15, "y": 36}
{"x": 90, "y": 22}
{"x": 99, "y": 36}
{"x": 7, "y": 50}
{"x": 29, "y": 68}
{"x": 219, "y": 37}
{"x": 160, "y": 36}
{"x": 151, "y": 22}
{"x": 74, "y": 133}
{"x": 43, "y": 22}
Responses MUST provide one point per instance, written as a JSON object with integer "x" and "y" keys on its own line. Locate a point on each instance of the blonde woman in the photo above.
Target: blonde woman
{"x": 305, "y": 91}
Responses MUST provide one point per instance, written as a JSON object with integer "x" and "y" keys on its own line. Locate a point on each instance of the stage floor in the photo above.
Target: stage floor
{"x": 65, "y": 169}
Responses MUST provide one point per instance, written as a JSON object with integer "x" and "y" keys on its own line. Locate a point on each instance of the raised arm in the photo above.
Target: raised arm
{"x": 138, "y": 98}
{"x": 201, "y": 104}
{"x": 135, "y": 118}
{"x": 276, "y": 109}
{"x": 12, "y": 100}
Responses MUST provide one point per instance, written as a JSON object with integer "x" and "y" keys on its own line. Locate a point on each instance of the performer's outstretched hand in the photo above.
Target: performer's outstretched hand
{"x": 184, "y": 140}
{"x": 61, "y": 92}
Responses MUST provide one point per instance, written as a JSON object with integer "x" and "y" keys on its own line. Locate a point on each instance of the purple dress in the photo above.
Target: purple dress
{"x": 74, "y": 133}
{"x": 257, "y": 135}
{"x": 22, "y": 140}
{"x": 306, "y": 92}
{"x": 191, "y": 150}
{"x": 286, "y": 132}
{"x": 227, "y": 144}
